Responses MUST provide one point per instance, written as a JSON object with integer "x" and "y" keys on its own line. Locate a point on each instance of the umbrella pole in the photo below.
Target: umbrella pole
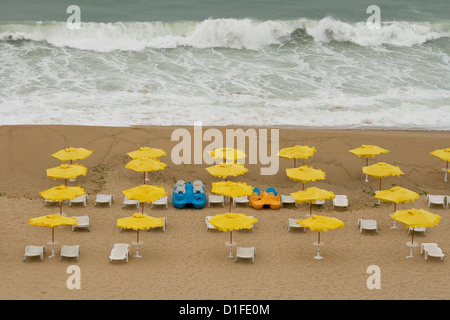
{"x": 379, "y": 201}
{"x": 229, "y": 208}
{"x": 137, "y": 245}
{"x": 395, "y": 209}
{"x": 143, "y": 207}
{"x": 60, "y": 207}
{"x": 53, "y": 243}
{"x": 446, "y": 172}
{"x": 367, "y": 163}
{"x": 318, "y": 256}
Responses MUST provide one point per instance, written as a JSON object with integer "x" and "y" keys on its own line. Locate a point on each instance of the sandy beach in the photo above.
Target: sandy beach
{"x": 189, "y": 262}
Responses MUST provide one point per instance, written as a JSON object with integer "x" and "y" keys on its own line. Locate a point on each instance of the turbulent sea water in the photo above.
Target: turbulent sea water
{"x": 250, "y": 63}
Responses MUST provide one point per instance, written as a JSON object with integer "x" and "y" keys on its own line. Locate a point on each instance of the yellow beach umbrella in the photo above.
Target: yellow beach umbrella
{"x": 72, "y": 154}
{"x": 145, "y": 193}
{"x": 52, "y": 221}
{"x": 381, "y": 170}
{"x": 227, "y": 169}
{"x": 443, "y": 154}
{"x": 145, "y": 165}
{"x": 61, "y": 193}
{"x": 67, "y": 171}
{"x": 320, "y": 223}
{"x": 296, "y": 152}
{"x": 416, "y": 218}
{"x": 138, "y": 222}
{"x": 305, "y": 174}
{"x": 396, "y": 195}
{"x": 232, "y": 189}
{"x": 146, "y": 152}
{"x": 368, "y": 151}
{"x": 312, "y": 194}
{"x": 232, "y": 221}
{"x": 227, "y": 154}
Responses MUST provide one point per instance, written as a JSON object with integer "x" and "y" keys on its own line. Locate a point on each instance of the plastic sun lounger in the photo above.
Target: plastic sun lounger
{"x": 340, "y": 201}
{"x": 292, "y": 223}
{"x": 164, "y": 201}
{"x": 243, "y": 199}
{"x": 83, "y": 222}
{"x": 34, "y": 251}
{"x": 423, "y": 229}
{"x": 245, "y": 253}
{"x": 163, "y": 226}
{"x": 216, "y": 199}
{"x": 70, "y": 252}
{"x": 287, "y": 199}
{"x": 209, "y": 226}
{"x": 104, "y": 198}
{"x": 435, "y": 199}
{"x": 432, "y": 250}
{"x": 368, "y": 224}
{"x": 128, "y": 202}
{"x": 81, "y": 199}
{"x": 120, "y": 251}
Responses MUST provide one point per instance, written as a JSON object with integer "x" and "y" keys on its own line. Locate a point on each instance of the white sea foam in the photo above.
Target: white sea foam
{"x": 224, "y": 33}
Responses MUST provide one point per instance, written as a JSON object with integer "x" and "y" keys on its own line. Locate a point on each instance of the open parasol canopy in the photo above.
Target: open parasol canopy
{"x": 72, "y": 154}
{"x": 226, "y": 169}
{"x": 138, "y": 222}
{"x": 232, "y": 221}
{"x": 396, "y": 195}
{"x": 52, "y": 221}
{"x": 311, "y": 195}
{"x": 296, "y": 152}
{"x": 381, "y": 170}
{"x": 145, "y": 193}
{"x": 146, "y": 152}
{"x": 320, "y": 223}
{"x": 61, "y": 193}
{"x": 305, "y": 174}
{"x": 232, "y": 189}
{"x": 145, "y": 165}
{"x": 67, "y": 171}
{"x": 227, "y": 154}
{"x": 443, "y": 154}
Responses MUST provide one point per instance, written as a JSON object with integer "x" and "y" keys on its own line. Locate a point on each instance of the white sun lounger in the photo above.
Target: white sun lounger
{"x": 163, "y": 226}
{"x": 128, "y": 202}
{"x": 292, "y": 223}
{"x": 423, "y": 229}
{"x": 341, "y": 201}
{"x": 104, "y": 198}
{"x": 164, "y": 201}
{"x": 81, "y": 199}
{"x": 432, "y": 250}
{"x": 120, "y": 251}
{"x": 435, "y": 199}
{"x": 83, "y": 222}
{"x": 368, "y": 224}
{"x": 287, "y": 199}
{"x": 70, "y": 251}
{"x": 209, "y": 226}
{"x": 243, "y": 199}
{"x": 245, "y": 253}
{"x": 216, "y": 199}
{"x": 34, "y": 251}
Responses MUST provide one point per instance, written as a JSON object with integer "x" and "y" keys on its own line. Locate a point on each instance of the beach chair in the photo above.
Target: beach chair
{"x": 435, "y": 199}
{"x": 341, "y": 201}
{"x": 245, "y": 253}
{"x": 367, "y": 224}
{"x": 243, "y": 199}
{"x": 432, "y": 250}
{"x": 317, "y": 203}
{"x": 120, "y": 251}
{"x": 83, "y": 222}
{"x": 70, "y": 252}
{"x": 81, "y": 199}
{"x": 287, "y": 199}
{"x": 128, "y": 202}
{"x": 34, "y": 251}
{"x": 209, "y": 226}
{"x": 164, "y": 201}
{"x": 216, "y": 199}
{"x": 423, "y": 230}
{"x": 104, "y": 198}
{"x": 292, "y": 223}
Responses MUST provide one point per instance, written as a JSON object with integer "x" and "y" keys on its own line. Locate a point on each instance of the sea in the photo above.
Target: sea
{"x": 264, "y": 63}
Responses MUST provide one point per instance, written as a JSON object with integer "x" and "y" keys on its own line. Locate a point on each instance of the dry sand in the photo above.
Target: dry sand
{"x": 188, "y": 262}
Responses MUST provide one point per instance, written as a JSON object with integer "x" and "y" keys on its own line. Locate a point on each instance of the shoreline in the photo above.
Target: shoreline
{"x": 188, "y": 260}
